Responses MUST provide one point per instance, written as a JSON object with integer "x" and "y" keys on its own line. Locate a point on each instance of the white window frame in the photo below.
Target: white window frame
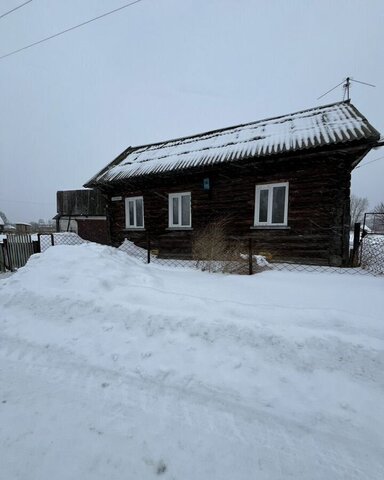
{"x": 127, "y": 214}
{"x": 270, "y": 187}
{"x": 179, "y": 196}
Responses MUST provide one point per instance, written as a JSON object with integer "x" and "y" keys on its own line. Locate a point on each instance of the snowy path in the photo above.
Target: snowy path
{"x": 188, "y": 375}
{"x": 127, "y": 423}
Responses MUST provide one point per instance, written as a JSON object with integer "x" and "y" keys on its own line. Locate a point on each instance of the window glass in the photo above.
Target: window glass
{"x": 131, "y": 206}
{"x": 134, "y": 212}
{"x": 278, "y": 204}
{"x": 263, "y": 206}
{"x": 185, "y": 210}
{"x": 175, "y": 210}
{"x": 139, "y": 212}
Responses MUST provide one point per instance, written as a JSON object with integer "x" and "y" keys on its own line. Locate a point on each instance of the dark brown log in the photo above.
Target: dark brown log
{"x": 318, "y": 207}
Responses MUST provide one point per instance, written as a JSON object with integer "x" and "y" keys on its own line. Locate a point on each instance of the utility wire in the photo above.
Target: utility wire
{"x": 372, "y": 161}
{"x": 13, "y": 9}
{"x": 69, "y": 29}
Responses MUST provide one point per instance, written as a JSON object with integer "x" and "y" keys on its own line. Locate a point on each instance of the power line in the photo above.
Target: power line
{"x": 13, "y": 9}
{"x": 372, "y": 161}
{"x": 69, "y": 29}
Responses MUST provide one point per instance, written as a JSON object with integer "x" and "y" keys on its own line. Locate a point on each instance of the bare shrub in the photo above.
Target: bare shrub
{"x": 359, "y": 205}
{"x": 378, "y": 218}
{"x": 214, "y": 252}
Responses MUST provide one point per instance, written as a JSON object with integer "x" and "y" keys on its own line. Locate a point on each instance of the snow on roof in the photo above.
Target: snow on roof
{"x": 338, "y": 123}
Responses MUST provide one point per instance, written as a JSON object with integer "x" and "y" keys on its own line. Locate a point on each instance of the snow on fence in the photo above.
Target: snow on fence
{"x": 15, "y": 249}
{"x": 242, "y": 257}
{"x": 372, "y": 243}
{"x": 372, "y": 253}
{"x": 63, "y": 238}
{"x": 246, "y": 260}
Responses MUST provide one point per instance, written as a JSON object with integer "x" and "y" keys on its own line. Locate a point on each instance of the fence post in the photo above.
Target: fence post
{"x": 36, "y": 246}
{"x": 356, "y": 243}
{"x": 3, "y": 266}
{"x": 7, "y": 255}
{"x": 148, "y": 248}
{"x": 250, "y": 260}
{"x": 52, "y": 240}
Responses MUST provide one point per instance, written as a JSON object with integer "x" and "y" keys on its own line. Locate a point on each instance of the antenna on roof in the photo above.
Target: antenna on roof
{"x": 346, "y": 87}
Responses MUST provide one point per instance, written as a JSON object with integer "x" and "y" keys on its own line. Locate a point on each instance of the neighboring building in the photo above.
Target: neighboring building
{"x": 9, "y": 228}
{"x": 283, "y": 181}
{"x": 82, "y": 212}
{"x": 22, "y": 227}
{"x": 2, "y": 225}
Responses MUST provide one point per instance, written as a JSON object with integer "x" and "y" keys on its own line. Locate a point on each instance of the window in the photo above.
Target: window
{"x": 180, "y": 210}
{"x": 134, "y": 212}
{"x": 271, "y": 204}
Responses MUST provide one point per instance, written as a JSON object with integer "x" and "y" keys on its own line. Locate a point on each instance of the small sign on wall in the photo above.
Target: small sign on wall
{"x": 206, "y": 184}
{"x": 116, "y": 199}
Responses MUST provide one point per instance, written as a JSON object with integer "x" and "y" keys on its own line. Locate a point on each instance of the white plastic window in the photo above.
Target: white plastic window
{"x": 180, "y": 210}
{"x": 271, "y": 204}
{"x": 134, "y": 212}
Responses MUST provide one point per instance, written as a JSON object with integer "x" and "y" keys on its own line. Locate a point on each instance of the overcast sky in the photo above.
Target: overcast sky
{"x": 167, "y": 68}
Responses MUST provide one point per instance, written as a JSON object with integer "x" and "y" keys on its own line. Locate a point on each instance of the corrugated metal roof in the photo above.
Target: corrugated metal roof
{"x": 339, "y": 123}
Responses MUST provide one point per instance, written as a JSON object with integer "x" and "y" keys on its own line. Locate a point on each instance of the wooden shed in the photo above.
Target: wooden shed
{"x": 283, "y": 181}
{"x": 82, "y": 212}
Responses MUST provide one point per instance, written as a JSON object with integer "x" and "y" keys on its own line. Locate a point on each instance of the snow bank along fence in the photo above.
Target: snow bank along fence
{"x": 15, "y": 249}
{"x": 239, "y": 255}
{"x": 242, "y": 257}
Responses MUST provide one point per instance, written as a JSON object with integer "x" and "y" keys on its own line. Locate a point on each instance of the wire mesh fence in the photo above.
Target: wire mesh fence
{"x": 241, "y": 257}
{"x": 238, "y": 256}
{"x": 372, "y": 243}
{"x": 16, "y": 249}
{"x": 45, "y": 241}
{"x": 64, "y": 238}
{"x": 372, "y": 253}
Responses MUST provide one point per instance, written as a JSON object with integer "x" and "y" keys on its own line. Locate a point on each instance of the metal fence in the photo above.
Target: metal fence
{"x": 15, "y": 249}
{"x": 64, "y": 238}
{"x": 239, "y": 256}
{"x": 372, "y": 243}
{"x": 242, "y": 257}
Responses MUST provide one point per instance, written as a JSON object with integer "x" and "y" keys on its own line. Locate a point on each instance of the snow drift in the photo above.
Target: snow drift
{"x": 115, "y": 369}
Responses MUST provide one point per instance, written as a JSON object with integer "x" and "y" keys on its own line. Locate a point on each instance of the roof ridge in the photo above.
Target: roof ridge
{"x": 211, "y": 132}
{"x": 338, "y": 123}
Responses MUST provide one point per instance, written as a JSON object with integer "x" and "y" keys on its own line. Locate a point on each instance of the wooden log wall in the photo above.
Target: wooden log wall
{"x": 93, "y": 230}
{"x": 318, "y": 207}
{"x": 80, "y": 202}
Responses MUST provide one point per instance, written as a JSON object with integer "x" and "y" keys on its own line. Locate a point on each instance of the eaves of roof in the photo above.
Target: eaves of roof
{"x": 335, "y": 125}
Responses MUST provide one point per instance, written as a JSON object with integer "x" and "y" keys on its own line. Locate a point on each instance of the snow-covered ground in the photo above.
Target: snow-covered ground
{"x": 113, "y": 369}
